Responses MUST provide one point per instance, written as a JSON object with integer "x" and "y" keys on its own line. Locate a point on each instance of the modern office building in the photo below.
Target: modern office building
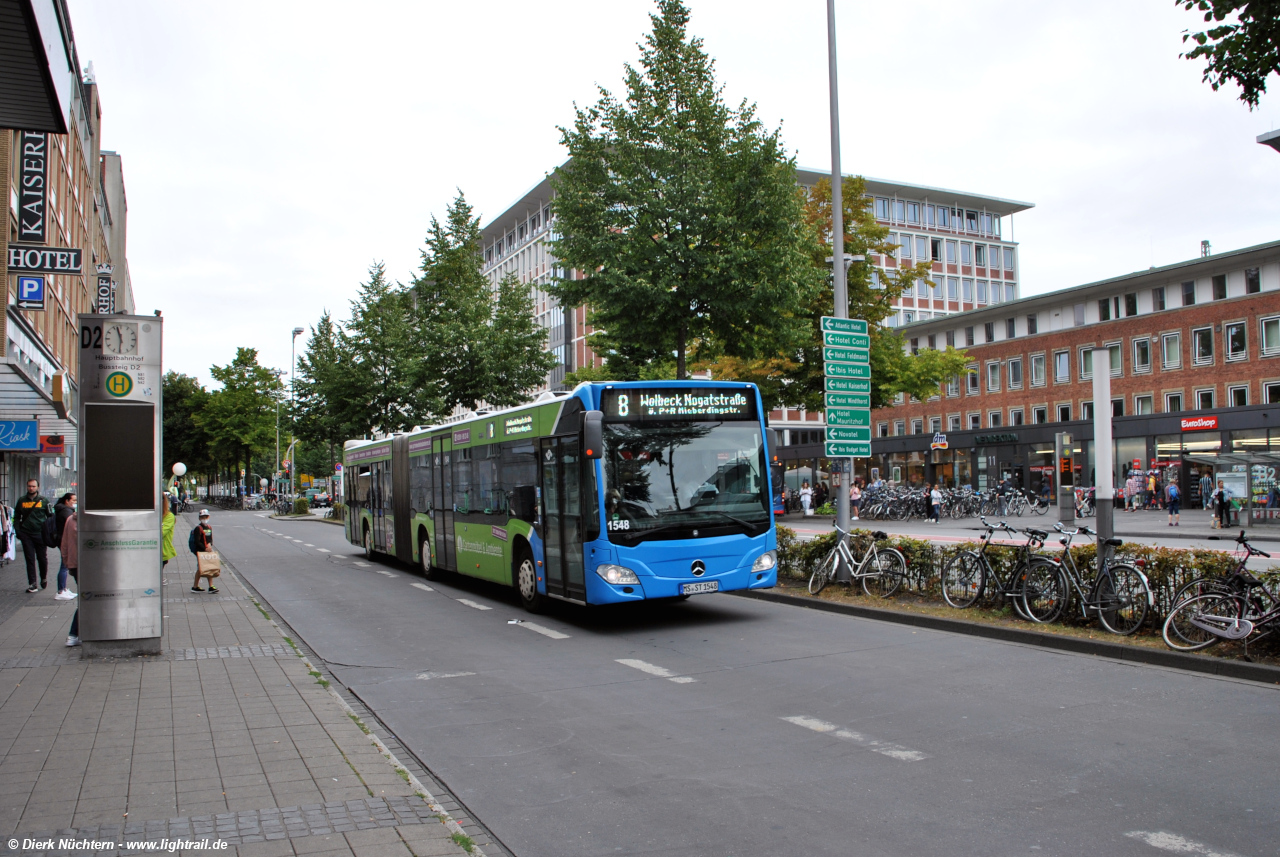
{"x": 1194, "y": 356}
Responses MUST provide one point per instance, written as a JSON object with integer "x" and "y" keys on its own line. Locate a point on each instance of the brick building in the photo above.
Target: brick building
{"x": 1199, "y": 338}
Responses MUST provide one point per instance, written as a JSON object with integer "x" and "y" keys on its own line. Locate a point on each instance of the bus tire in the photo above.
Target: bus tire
{"x": 524, "y": 572}
{"x": 428, "y": 569}
{"x": 367, "y": 543}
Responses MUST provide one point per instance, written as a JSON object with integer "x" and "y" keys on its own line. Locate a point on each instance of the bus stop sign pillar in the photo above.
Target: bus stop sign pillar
{"x": 1063, "y": 448}
{"x": 1103, "y": 454}
{"x": 119, "y": 477}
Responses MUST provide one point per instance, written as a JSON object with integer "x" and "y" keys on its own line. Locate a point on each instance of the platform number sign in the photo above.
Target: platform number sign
{"x": 31, "y": 292}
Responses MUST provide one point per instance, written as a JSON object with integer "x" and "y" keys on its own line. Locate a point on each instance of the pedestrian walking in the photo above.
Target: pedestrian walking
{"x": 1206, "y": 492}
{"x": 28, "y": 519}
{"x": 69, "y": 547}
{"x": 935, "y": 503}
{"x": 200, "y": 541}
{"x": 65, "y": 508}
{"x": 1222, "y": 501}
{"x": 855, "y": 498}
{"x": 167, "y": 523}
{"x": 1173, "y": 498}
{"x": 806, "y": 497}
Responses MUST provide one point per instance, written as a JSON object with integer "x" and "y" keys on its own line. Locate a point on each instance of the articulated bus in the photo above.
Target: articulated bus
{"x": 613, "y": 493}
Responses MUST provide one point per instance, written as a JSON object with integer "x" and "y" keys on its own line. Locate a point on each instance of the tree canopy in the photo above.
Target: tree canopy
{"x": 1242, "y": 46}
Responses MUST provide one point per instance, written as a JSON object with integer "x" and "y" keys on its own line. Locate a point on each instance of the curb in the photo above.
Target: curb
{"x": 1100, "y": 648}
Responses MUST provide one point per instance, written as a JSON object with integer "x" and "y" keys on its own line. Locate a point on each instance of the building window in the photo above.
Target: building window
{"x": 1171, "y": 351}
{"x": 980, "y": 255}
{"x": 1116, "y": 359}
{"x": 1104, "y": 309}
{"x": 1142, "y": 405}
{"x": 1157, "y": 299}
{"x": 882, "y": 209}
{"x": 1202, "y": 345}
{"x": 933, "y": 342}
{"x": 1220, "y": 287}
{"x": 1008, "y": 258}
{"x": 1142, "y": 355}
{"x": 1015, "y": 373}
{"x": 993, "y": 377}
{"x": 1086, "y": 410}
{"x": 1252, "y": 281}
{"x": 900, "y": 427}
{"x": 904, "y": 248}
{"x": 1117, "y": 407}
{"x": 1010, "y": 329}
{"x": 917, "y": 426}
{"x": 1172, "y": 403}
{"x": 1033, "y": 325}
{"x": 953, "y": 289}
{"x": 908, "y": 317}
{"x": 1189, "y": 293}
{"x": 966, "y": 253}
{"x": 935, "y": 425}
{"x": 1086, "y": 363}
{"x": 953, "y": 422}
{"x": 1270, "y": 336}
{"x": 975, "y": 421}
{"x": 1130, "y": 304}
{"x": 968, "y": 334}
{"x": 882, "y": 429}
{"x": 951, "y": 338}
{"x": 953, "y": 386}
{"x": 913, "y": 212}
{"x": 935, "y": 247}
{"x": 1237, "y": 345}
{"x": 944, "y": 217}
{"x": 1061, "y": 367}
{"x": 994, "y": 419}
{"x": 1204, "y": 399}
{"x": 1272, "y": 392}
{"x": 989, "y": 332}
{"x": 1015, "y": 417}
{"x": 1040, "y": 415}
{"x": 951, "y": 252}
{"x": 1238, "y": 397}
{"x": 968, "y": 289}
{"x": 971, "y": 375}
{"x": 1064, "y": 413}
{"x": 982, "y": 291}
{"x": 971, "y": 221}
{"x": 1037, "y": 370}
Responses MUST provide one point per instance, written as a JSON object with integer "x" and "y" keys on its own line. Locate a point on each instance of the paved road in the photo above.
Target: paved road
{"x": 724, "y": 726}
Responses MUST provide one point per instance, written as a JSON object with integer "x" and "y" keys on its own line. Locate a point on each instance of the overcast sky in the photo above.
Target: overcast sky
{"x": 273, "y": 151}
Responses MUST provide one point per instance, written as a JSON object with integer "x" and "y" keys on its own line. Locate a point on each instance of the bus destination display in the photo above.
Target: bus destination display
{"x": 699, "y": 403}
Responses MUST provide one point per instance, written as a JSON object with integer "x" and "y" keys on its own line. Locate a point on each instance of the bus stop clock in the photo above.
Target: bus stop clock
{"x": 120, "y": 338}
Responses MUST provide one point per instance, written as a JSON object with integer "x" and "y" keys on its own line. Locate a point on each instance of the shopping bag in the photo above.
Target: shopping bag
{"x": 209, "y": 563}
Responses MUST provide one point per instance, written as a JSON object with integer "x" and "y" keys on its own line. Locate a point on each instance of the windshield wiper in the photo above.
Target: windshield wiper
{"x": 739, "y": 521}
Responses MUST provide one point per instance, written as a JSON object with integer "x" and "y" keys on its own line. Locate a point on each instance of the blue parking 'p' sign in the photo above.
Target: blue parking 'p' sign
{"x": 31, "y": 292}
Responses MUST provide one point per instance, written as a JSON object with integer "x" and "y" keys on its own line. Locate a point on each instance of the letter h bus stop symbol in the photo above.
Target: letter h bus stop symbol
{"x": 31, "y": 292}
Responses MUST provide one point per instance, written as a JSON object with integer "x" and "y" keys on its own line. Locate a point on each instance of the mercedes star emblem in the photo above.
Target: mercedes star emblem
{"x": 698, "y": 568}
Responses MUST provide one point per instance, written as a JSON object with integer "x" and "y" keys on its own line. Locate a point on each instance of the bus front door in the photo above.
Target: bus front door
{"x": 562, "y": 517}
{"x": 442, "y": 486}
{"x": 377, "y": 506}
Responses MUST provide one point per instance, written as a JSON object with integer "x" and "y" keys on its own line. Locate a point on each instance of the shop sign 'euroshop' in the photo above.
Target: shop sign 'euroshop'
{"x": 34, "y": 183}
{"x": 25, "y": 259}
{"x": 1199, "y": 423}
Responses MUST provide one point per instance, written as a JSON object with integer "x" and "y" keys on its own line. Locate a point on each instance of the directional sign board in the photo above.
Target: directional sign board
{"x": 843, "y": 325}
{"x": 848, "y": 385}
{"x": 849, "y": 433}
{"x": 847, "y": 449}
{"x": 836, "y": 354}
{"x": 848, "y": 400}
{"x": 848, "y": 416}
{"x": 847, "y": 370}
{"x": 847, "y": 340}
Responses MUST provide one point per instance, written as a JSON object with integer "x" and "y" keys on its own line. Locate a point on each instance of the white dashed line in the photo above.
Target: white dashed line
{"x": 323, "y": 550}
{"x": 363, "y": 564}
{"x": 308, "y": 546}
{"x": 474, "y": 604}
{"x": 422, "y": 586}
{"x": 1176, "y": 844}
{"x": 296, "y": 540}
{"x": 385, "y": 573}
{"x": 541, "y": 629}
{"x": 652, "y": 669}
{"x": 429, "y": 676}
{"x": 893, "y": 751}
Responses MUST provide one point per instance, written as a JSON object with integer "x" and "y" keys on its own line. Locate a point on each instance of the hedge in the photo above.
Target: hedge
{"x": 1167, "y": 569}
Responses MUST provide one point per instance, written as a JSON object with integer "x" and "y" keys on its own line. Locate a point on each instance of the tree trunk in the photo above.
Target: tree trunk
{"x": 681, "y": 337}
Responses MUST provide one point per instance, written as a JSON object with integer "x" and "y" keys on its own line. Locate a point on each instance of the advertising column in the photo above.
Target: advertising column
{"x": 120, "y": 384}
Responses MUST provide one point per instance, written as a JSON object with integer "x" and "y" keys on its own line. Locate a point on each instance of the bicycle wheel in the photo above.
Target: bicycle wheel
{"x": 823, "y": 574}
{"x": 1043, "y": 593}
{"x": 1181, "y": 632}
{"x": 1123, "y": 599}
{"x": 888, "y": 570}
{"x": 1041, "y": 507}
{"x": 963, "y": 580}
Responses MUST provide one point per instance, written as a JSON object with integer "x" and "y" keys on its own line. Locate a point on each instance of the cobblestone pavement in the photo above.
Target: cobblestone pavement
{"x": 224, "y": 737}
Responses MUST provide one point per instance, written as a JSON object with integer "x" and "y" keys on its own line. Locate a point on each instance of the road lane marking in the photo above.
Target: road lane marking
{"x": 884, "y": 748}
{"x": 429, "y": 676}
{"x": 295, "y": 540}
{"x": 422, "y": 586}
{"x": 308, "y": 546}
{"x": 653, "y": 669}
{"x": 385, "y": 573}
{"x": 540, "y": 629}
{"x": 363, "y": 564}
{"x": 1176, "y": 844}
{"x": 323, "y": 550}
{"x": 470, "y": 603}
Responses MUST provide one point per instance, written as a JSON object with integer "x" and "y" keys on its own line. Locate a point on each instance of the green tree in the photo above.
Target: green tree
{"x": 379, "y": 378}
{"x": 240, "y": 417}
{"x": 184, "y": 439}
{"x": 323, "y": 410}
{"x": 681, "y": 213}
{"x": 515, "y": 354}
{"x": 1242, "y": 48}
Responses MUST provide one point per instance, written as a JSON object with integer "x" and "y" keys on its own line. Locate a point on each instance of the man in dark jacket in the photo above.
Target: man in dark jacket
{"x": 29, "y": 515}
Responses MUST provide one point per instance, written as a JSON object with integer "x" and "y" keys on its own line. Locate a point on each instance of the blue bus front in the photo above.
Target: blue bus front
{"x": 682, "y": 492}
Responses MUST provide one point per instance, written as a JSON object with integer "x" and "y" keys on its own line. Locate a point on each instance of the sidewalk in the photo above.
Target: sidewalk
{"x": 225, "y": 737}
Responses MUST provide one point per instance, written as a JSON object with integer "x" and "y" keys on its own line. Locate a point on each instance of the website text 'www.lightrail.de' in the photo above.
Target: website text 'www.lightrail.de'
{"x": 67, "y": 843}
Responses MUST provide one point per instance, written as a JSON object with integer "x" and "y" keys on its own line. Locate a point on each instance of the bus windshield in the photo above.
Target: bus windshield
{"x": 683, "y": 480}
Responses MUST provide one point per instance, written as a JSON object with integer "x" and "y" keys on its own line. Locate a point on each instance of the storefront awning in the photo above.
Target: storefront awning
{"x": 1231, "y": 458}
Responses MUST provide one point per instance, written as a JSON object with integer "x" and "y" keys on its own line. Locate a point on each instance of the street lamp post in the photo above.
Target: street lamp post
{"x": 293, "y": 365}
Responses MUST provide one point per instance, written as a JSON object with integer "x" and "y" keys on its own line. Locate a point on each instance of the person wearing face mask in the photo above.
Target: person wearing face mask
{"x": 65, "y": 508}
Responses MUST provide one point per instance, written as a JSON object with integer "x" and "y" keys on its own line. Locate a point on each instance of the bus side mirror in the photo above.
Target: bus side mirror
{"x": 593, "y": 434}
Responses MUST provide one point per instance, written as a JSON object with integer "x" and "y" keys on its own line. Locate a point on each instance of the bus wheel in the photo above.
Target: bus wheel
{"x": 368, "y": 543}
{"x": 526, "y": 580}
{"x": 429, "y": 571}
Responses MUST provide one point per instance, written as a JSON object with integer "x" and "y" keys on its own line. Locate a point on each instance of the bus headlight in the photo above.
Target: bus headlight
{"x": 618, "y": 574}
{"x": 765, "y": 561}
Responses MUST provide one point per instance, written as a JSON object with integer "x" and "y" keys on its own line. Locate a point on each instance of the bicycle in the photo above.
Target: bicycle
{"x": 881, "y": 570}
{"x": 1231, "y": 608}
{"x": 966, "y": 576}
{"x": 1120, "y": 595}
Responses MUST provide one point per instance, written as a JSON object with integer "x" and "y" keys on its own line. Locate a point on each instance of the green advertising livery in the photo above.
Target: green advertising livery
{"x": 612, "y": 493}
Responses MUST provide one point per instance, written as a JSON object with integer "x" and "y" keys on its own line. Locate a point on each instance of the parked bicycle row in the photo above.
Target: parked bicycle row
{"x": 900, "y": 504}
